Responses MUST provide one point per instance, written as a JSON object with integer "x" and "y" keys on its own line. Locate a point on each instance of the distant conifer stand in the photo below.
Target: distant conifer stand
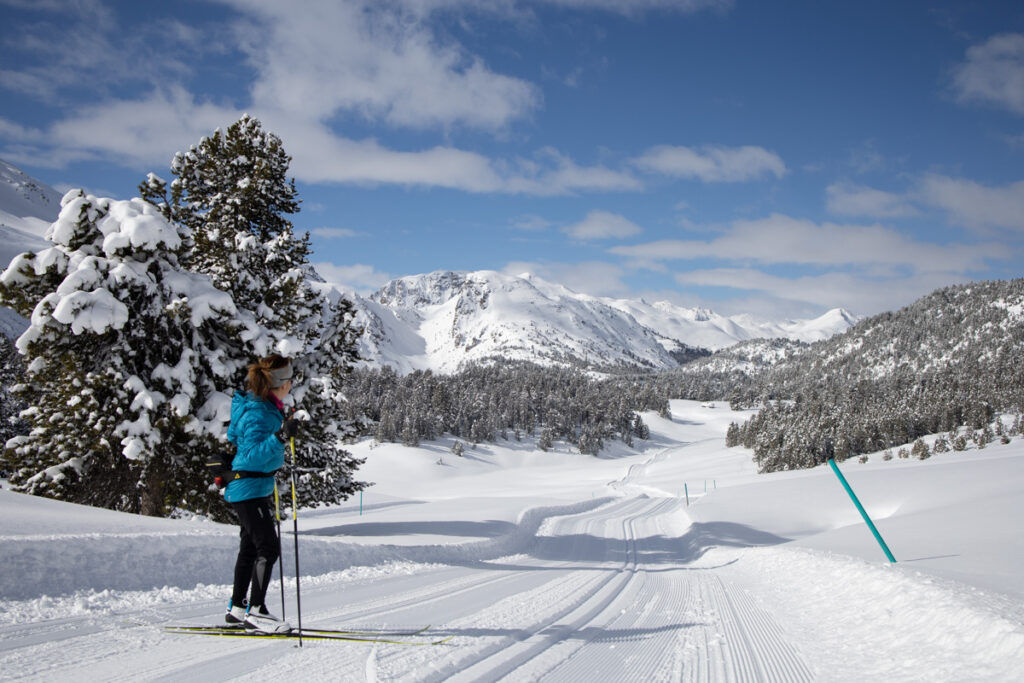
{"x": 860, "y": 508}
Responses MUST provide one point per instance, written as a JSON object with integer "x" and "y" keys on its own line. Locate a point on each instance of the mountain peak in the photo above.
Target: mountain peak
{"x": 442, "y": 319}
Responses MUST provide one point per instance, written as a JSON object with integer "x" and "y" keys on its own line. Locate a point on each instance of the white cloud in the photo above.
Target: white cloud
{"x": 553, "y": 173}
{"x": 141, "y": 132}
{"x": 321, "y": 156}
{"x": 80, "y": 47}
{"x": 975, "y": 205}
{"x": 146, "y": 133}
{"x": 362, "y": 279}
{"x": 993, "y": 73}
{"x": 333, "y": 233}
{"x": 857, "y": 200}
{"x": 712, "y": 164}
{"x": 602, "y": 225}
{"x": 595, "y": 278}
{"x": 374, "y": 60}
{"x": 781, "y": 239}
{"x": 861, "y": 295}
{"x": 378, "y": 61}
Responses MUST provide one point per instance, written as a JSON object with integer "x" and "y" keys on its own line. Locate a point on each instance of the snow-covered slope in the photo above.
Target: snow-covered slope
{"x": 439, "y": 320}
{"x": 705, "y": 328}
{"x": 27, "y": 208}
{"x": 443, "y": 319}
{"x": 557, "y": 567}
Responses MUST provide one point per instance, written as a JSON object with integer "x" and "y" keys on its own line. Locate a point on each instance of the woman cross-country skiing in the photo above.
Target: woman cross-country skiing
{"x": 259, "y": 430}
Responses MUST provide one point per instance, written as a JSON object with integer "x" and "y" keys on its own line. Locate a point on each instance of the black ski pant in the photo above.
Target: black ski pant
{"x": 258, "y": 551}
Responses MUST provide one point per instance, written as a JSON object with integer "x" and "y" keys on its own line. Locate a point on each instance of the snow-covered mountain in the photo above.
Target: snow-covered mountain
{"x": 439, "y": 320}
{"x": 27, "y": 208}
{"x": 705, "y": 328}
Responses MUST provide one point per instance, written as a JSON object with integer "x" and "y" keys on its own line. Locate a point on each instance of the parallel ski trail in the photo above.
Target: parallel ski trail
{"x": 611, "y": 593}
{"x": 644, "y": 612}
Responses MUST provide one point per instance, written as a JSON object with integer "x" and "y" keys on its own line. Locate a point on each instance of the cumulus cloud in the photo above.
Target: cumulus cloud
{"x": 781, "y": 239}
{"x": 372, "y": 60}
{"x": 382, "y": 62}
{"x": 975, "y": 205}
{"x": 321, "y": 156}
{"x": 712, "y": 164}
{"x": 58, "y": 60}
{"x": 993, "y": 73}
{"x": 140, "y": 131}
{"x": 857, "y": 200}
{"x": 359, "y": 278}
{"x": 854, "y": 292}
{"x": 600, "y": 225}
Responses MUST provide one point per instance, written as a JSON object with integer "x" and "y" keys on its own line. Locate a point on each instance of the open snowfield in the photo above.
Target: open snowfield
{"x": 557, "y": 567}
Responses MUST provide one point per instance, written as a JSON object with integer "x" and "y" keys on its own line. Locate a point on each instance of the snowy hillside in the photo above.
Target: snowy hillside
{"x": 456, "y": 317}
{"x": 704, "y": 328}
{"x": 439, "y": 320}
{"x": 27, "y": 208}
{"x": 542, "y": 569}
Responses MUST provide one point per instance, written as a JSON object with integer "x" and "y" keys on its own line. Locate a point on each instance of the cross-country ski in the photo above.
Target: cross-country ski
{"x": 312, "y": 634}
{"x": 305, "y": 630}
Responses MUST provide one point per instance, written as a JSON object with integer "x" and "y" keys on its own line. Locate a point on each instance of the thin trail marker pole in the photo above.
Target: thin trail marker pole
{"x": 295, "y": 521}
{"x": 280, "y": 555}
{"x": 360, "y": 503}
{"x": 686, "y": 490}
{"x": 867, "y": 520}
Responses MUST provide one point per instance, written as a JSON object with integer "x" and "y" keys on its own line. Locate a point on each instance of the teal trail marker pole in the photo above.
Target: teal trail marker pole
{"x": 686, "y": 490}
{"x": 867, "y": 520}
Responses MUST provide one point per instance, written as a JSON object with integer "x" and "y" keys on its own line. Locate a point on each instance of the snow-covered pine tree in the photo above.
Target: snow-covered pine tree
{"x": 12, "y": 373}
{"x": 117, "y": 420}
{"x": 232, "y": 194}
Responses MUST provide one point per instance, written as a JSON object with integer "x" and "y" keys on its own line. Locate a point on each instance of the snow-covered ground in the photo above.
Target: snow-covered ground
{"x": 559, "y": 567}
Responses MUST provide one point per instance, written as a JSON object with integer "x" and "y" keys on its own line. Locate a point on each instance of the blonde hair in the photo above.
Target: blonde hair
{"x": 260, "y": 380}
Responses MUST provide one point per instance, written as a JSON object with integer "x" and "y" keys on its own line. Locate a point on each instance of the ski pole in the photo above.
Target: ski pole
{"x": 295, "y": 521}
{"x": 280, "y": 555}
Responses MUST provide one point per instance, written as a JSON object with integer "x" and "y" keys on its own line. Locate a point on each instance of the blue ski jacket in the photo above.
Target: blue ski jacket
{"x": 253, "y": 427}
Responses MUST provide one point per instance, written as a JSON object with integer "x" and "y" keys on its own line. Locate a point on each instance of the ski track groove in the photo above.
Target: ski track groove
{"x": 594, "y": 606}
{"x": 551, "y": 636}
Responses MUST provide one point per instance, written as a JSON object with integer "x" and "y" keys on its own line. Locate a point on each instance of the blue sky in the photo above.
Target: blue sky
{"x": 776, "y": 158}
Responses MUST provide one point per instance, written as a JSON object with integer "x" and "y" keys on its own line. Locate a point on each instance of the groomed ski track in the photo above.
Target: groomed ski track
{"x": 625, "y": 591}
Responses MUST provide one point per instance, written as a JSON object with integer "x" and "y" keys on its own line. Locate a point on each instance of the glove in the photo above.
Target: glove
{"x": 288, "y": 430}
